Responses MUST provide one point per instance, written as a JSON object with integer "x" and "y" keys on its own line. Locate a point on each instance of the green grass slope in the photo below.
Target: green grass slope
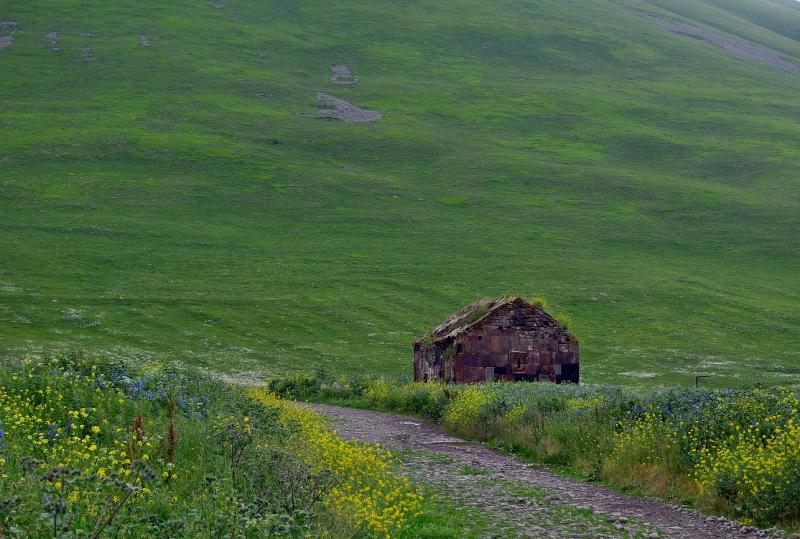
{"x": 174, "y": 200}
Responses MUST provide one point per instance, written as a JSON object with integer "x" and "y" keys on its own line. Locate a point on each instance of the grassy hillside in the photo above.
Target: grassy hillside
{"x": 174, "y": 200}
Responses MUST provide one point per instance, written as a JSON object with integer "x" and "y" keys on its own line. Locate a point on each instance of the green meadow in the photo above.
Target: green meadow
{"x": 181, "y": 201}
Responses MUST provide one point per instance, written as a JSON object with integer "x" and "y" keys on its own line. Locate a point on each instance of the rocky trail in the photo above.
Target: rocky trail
{"x": 517, "y": 498}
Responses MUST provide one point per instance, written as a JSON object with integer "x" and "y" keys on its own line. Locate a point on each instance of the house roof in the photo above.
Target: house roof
{"x": 469, "y": 316}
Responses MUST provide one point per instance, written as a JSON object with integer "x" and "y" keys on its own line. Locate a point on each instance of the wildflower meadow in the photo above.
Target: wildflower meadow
{"x": 91, "y": 449}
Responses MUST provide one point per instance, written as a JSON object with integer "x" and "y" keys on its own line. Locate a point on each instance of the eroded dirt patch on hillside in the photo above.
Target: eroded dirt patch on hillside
{"x": 342, "y": 76}
{"x": 52, "y": 38}
{"x": 735, "y": 46}
{"x": 7, "y": 40}
{"x": 502, "y": 479}
{"x": 345, "y": 111}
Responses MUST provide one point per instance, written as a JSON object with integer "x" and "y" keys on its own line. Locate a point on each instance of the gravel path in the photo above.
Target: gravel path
{"x": 735, "y": 46}
{"x": 476, "y": 476}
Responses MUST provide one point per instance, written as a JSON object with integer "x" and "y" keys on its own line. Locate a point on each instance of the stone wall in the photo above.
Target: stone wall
{"x": 515, "y": 342}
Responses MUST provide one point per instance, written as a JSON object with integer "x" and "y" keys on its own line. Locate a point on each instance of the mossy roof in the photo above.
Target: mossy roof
{"x": 468, "y": 317}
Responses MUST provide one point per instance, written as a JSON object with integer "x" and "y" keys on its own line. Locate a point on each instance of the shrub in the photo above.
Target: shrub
{"x": 467, "y": 412}
{"x": 756, "y": 475}
{"x": 539, "y": 301}
{"x": 427, "y": 400}
{"x": 299, "y": 386}
{"x": 377, "y": 392}
{"x": 565, "y": 321}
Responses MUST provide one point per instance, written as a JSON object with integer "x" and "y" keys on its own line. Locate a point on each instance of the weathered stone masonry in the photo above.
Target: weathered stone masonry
{"x": 503, "y": 338}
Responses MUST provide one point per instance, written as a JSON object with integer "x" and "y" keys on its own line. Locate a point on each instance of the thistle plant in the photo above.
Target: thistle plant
{"x": 120, "y": 490}
{"x": 172, "y": 437}
{"x": 234, "y": 435}
{"x": 8, "y": 507}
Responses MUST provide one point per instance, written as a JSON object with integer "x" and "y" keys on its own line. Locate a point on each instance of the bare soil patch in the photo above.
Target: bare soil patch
{"x": 735, "y": 46}
{"x": 345, "y": 111}
{"x": 419, "y": 438}
{"x": 7, "y": 26}
{"x": 342, "y": 76}
{"x": 52, "y": 38}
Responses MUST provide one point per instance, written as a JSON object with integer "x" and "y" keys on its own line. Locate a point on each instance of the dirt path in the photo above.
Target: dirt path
{"x": 522, "y": 499}
{"x": 735, "y": 46}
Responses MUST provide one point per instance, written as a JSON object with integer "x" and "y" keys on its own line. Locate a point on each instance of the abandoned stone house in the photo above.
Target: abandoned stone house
{"x": 504, "y": 338}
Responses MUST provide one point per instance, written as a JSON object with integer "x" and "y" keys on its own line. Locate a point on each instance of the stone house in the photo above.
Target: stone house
{"x": 504, "y": 338}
